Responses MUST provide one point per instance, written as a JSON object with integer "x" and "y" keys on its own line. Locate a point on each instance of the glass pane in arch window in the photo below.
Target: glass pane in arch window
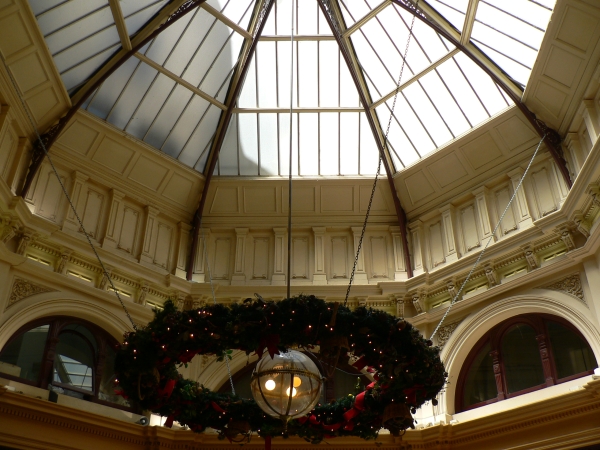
{"x": 22, "y": 357}
{"x": 572, "y": 355}
{"x": 480, "y": 384}
{"x": 521, "y": 357}
{"x": 74, "y": 361}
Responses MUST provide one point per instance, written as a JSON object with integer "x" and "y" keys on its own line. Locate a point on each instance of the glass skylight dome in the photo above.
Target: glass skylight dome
{"x": 174, "y": 90}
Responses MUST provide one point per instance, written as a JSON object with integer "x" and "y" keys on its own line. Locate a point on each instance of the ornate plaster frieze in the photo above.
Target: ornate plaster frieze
{"x": 23, "y": 288}
{"x": 445, "y": 332}
{"x": 571, "y": 285}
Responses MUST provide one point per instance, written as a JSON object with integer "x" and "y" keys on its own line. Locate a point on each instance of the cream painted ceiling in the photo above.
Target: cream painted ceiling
{"x": 172, "y": 93}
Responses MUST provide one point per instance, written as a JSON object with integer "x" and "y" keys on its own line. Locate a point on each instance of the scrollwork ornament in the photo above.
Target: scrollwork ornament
{"x": 23, "y": 288}
{"x": 570, "y": 285}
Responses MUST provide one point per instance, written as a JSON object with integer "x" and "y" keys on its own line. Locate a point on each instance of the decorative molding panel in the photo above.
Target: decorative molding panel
{"x": 22, "y": 288}
{"x": 569, "y": 285}
{"x": 339, "y": 257}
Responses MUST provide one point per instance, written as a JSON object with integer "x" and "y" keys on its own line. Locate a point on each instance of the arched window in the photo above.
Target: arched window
{"x": 67, "y": 355}
{"x": 521, "y": 355}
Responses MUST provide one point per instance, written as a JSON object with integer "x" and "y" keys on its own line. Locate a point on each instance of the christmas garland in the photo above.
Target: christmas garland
{"x": 407, "y": 369}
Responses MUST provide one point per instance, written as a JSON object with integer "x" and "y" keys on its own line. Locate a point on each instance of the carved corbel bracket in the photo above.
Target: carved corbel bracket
{"x": 581, "y": 224}
{"x": 104, "y": 281}
{"x": 530, "y": 257}
{"x": 10, "y": 229}
{"x": 452, "y": 286}
{"x": 565, "y": 233}
{"x": 418, "y": 300}
{"x": 63, "y": 260}
{"x": 143, "y": 291}
{"x": 490, "y": 273}
{"x": 26, "y": 238}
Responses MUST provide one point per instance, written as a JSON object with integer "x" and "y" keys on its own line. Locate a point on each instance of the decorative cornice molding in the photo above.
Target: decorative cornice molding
{"x": 23, "y": 288}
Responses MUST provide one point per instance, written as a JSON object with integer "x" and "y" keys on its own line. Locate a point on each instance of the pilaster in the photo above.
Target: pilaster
{"x": 416, "y": 234}
{"x": 279, "y": 260}
{"x": 182, "y": 249}
{"x": 523, "y": 215}
{"x": 319, "y": 276}
{"x": 590, "y": 117}
{"x": 239, "y": 273}
{"x": 114, "y": 219}
{"x": 78, "y": 196}
{"x": 149, "y": 234}
{"x": 399, "y": 262}
{"x": 360, "y": 275}
{"x": 450, "y": 253}
{"x": 199, "y": 272}
{"x": 483, "y": 213}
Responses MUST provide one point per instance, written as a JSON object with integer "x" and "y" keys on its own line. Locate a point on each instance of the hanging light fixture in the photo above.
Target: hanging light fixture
{"x": 286, "y": 386}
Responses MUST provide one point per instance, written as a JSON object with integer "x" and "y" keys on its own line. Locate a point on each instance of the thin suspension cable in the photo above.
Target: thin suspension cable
{"x": 454, "y": 300}
{"x": 289, "y": 226}
{"x": 212, "y": 290}
{"x": 385, "y": 144}
{"x": 64, "y": 190}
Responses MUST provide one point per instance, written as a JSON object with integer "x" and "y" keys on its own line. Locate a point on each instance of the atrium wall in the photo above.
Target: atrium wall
{"x": 137, "y": 204}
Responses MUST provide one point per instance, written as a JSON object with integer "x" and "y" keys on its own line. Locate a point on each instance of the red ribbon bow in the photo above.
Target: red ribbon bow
{"x": 271, "y": 342}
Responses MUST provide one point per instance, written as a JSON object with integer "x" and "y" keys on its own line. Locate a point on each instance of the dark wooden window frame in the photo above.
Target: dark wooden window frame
{"x": 494, "y": 337}
{"x": 57, "y": 325}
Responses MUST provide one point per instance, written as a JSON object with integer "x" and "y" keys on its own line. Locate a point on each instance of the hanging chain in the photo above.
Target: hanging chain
{"x": 64, "y": 190}
{"x": 385, "y": 144}
{"x": 454, "y": 300}
{"x": 212, "y": 290}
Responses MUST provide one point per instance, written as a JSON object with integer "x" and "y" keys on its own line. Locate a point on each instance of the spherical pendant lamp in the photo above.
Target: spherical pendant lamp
{"x": 287, "y": 385}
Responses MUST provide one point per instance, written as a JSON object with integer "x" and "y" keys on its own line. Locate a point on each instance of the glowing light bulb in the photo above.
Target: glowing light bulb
{"x": 270, "y": 385}
{"x": 297, "y": 382}
{"x": 287, "y": 392}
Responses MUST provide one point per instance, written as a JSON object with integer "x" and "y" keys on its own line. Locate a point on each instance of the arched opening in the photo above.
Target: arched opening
{"x": 521, "y": 355}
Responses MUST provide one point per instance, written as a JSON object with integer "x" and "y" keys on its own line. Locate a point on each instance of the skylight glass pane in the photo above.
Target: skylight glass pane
{"x": 369, "y": 153}
{"x": 248, "y": 95}
{"x": 485, "y": 87}
{"x": 150, "y": 106}
{"x": 284, "y": 144}
{"x": 511, "y": 33}
{"x": 269, "y": 152}
{"x": 349, "y": 143}
{"x": 445, "y": 103}
{"x": 137, "y": 13}
{"x": 165, "y": 43}
{"x": 238, "y": 11}
{"x": 307, "y": 17}
{"x": 353, "y": 10}
{"x": 266, "y": 63}
{"x": 75, "y": 76}
{"x": 329, "y": 135}
{"x": 329, "y": 64}
{"x": 168, "y": 115}
{"x": 308, "y": 74}
{"x": 104, "y": 99}
{"x": 283, "y": 74}
{"x": 462, "y": 92}
{"x": 425, "y": 110}
{"x": 397, "y": 137}
{"x": 204, "y": 120}
{"x": 309, "y": 143}
{"x": 452, "y": 10}
{"x": 228, "y": 156}
{"x": 248, "y": 144}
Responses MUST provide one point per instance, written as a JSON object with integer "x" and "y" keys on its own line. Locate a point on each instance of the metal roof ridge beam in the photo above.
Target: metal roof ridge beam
{"x": 180, "y": 81}
{"x": 551, "y": 137}
{"x": 258, "y": 22}
{"x": 375, "y": 129}
{"x": 164, "y": 19}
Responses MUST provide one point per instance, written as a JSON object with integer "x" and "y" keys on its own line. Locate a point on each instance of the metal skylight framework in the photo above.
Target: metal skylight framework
{"x": 199, "y": 81}
{"x": 174, "y": 90}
